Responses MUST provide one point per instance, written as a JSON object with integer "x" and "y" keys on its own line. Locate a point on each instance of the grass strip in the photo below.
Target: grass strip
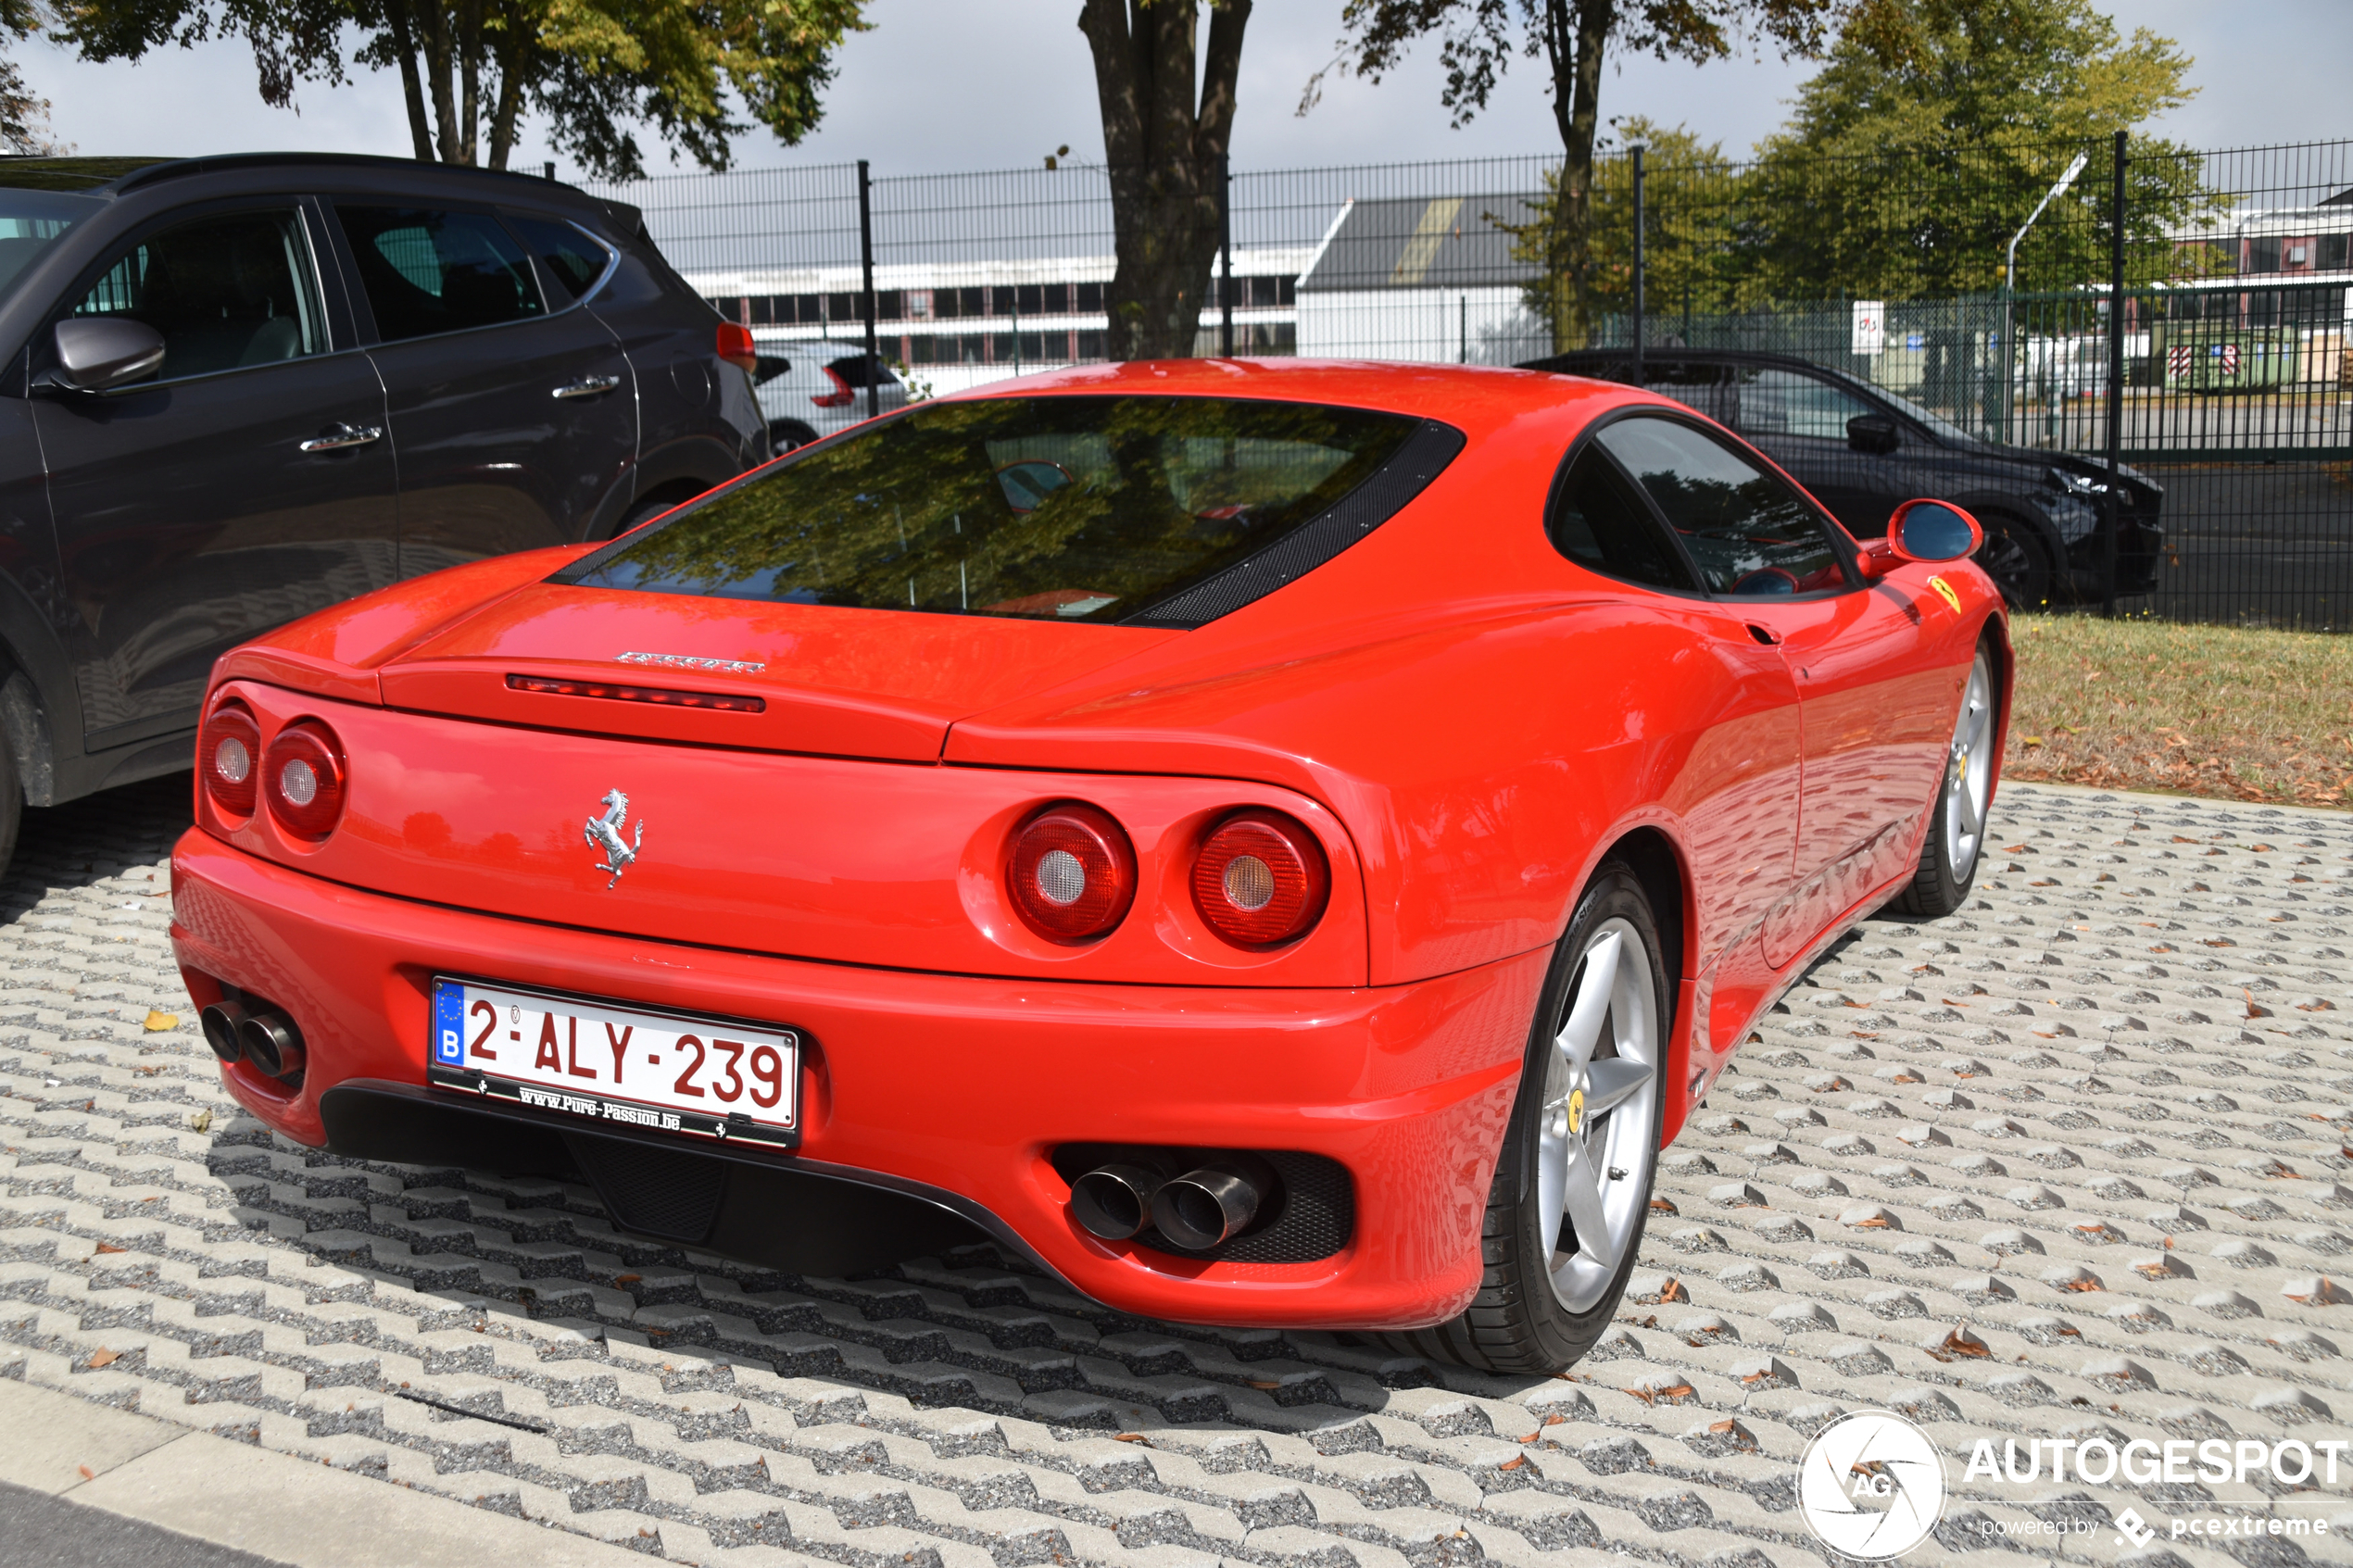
{"x": 2222, "y": 711}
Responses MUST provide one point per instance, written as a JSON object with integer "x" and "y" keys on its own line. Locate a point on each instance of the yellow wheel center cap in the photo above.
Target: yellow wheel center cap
{"x": 1963, "y": 774}
{"x": 1576, "y": 1111}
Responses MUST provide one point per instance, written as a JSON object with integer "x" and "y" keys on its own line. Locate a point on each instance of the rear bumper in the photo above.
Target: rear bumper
{"x": 949, "y": 1090}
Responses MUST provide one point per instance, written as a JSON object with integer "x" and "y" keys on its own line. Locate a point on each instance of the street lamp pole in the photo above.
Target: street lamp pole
{"x": 2009, "y": 280}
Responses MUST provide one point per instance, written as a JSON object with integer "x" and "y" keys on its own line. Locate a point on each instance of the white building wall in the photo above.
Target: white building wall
{"x": 1488, "y": 325}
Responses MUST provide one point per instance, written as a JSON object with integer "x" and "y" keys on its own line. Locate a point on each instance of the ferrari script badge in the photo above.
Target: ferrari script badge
{"x": 604, "y": 832}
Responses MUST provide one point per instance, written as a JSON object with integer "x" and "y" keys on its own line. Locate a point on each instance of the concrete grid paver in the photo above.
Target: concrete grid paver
{"x": 2074, "y": 1161}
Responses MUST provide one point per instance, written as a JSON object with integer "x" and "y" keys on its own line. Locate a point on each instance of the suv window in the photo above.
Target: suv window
{"x": 228, "y": 291}
{"x": 1599, "y": 522}
{"x": 428, "y": 272}
{"x": 575, "y": 263}
{"x": 1749, "y": 534}
{"x": 1776, "y": 402}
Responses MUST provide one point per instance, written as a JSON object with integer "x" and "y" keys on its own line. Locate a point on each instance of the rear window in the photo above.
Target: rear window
{"x": 1092, "y": 508}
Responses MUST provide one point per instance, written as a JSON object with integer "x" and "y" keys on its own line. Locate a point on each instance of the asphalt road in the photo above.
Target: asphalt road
{"x": 2072, "y": 1163}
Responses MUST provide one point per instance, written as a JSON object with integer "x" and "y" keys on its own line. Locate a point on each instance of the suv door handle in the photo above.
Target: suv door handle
{"x": 586, "y": 386}
{"x": 335, "y": 437}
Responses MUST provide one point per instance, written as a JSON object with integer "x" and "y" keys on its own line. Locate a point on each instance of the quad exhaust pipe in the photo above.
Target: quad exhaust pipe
{"x": 1198, "y": 1210}
{"x": 262, "y": 1036}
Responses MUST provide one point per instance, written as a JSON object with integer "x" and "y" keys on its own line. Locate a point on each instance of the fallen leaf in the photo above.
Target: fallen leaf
{"x": 1664, "y": 1206}
{"x": 2253, "y": 1008}
{"x": 1722, "y": 1425}
{"x": 1959, "y": 1342}
{"x": 111, "y": 1246}
{"x": 104, "y": 1357}
{"x": 159, "y": 1021}
{"x": 1514, "y": 1462}
{"x": 2031, "y": 740}
{"x": 1261, "y": 1384}
{"x": 627, "y": 1279}
{"x": 87, "y": 1474}
{"x": 1673, "y": 1291}
{"x": 200, "y": 1120}
{"x": 1132, "y": 1437}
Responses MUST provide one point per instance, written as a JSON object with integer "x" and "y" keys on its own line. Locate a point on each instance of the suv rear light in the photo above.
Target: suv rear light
{"x": 841, "y": 397}
{"x": 1260, "y": 879}
{"x": 231, "y": 758}
{"x": 304, "y": 779}
{"x": 1072, "y": 873}
{"x": 736, "y": 346}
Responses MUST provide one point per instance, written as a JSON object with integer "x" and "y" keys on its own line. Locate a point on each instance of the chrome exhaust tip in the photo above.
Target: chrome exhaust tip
{"x": 1208, "y": 1206}
{"x": 1115, "y": 1202}
{"x": 219, "y": 1022}
{"x": 271, "y": 1043}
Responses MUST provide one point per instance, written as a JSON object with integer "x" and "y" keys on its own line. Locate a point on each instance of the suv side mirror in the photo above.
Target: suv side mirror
{"x": 96, "y": 354}
{"x": 1932, "y": 530}
{"x": 1873, "y": 433}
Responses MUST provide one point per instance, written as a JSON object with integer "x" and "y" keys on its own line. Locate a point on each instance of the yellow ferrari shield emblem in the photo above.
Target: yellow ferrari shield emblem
{"x": 1576, "y": 1111}
{"x": 1944, "y": 592}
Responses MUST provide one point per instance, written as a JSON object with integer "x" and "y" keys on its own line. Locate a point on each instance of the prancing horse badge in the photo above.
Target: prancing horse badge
{"x": 604, "y": 832}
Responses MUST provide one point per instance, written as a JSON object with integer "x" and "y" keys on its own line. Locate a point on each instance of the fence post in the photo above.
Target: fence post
{"x": 866, "y": 296}
{"x": 1226, "y": 256}
{"x": 1640, "y": 261}
{"x": 2115, "y": 383}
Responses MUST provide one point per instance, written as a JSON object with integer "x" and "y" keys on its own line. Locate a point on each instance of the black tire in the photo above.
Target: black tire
{"x": 645, "y": 511}
{"x": 2018, "y": 559}
{"x": 1517, "y": 1323}
{"x": 1949, "y": 855}
{"x": 11, "y": 801}
{"x": 786, "y": 434}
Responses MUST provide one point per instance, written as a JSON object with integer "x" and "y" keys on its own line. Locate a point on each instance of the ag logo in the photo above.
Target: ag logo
{"x": 1871, "y": 1486}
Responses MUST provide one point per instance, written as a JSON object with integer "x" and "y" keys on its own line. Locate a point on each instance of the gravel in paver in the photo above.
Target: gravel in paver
{"x": 2073, "y": 1163}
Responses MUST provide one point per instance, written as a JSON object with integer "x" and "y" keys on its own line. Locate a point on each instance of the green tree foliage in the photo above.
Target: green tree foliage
{"x": 1478, "y": 39}
{"x": 1933, "y": 129}
{"x": 1691, "y": 195}
{"x": 24, "y": 119}
{"x": 470, "y": 69}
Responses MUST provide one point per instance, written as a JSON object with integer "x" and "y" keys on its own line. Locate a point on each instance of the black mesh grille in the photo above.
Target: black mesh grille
{"x": 1310, "y": 1215}
{"x": 1425, "y": 454}
{"x": 673, "y": 1194}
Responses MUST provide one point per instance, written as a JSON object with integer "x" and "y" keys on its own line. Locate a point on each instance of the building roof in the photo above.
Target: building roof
{"x": 1423, "y": 242}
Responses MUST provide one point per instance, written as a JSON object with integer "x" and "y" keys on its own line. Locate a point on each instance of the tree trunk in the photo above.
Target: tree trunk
{"x": 1576, "y": 33}
{"x": 509, "y": 109}
{"x": 470, "y": 78}
{"x": 1166, "y": 145}
{"x": 434, "y": 24}
{"x": 412, "y": 92}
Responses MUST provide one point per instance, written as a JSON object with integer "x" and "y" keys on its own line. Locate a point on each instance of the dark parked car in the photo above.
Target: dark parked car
{"x": 240, "y": 389}
{"x": 1863, "y": 450}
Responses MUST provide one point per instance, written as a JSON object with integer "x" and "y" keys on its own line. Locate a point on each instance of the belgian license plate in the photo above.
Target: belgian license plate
{"x": 718, "y": 1078}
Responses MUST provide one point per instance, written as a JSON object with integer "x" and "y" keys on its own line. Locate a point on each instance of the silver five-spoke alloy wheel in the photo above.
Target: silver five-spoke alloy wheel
{"x": 1599, "y": 1122}
{"x": 1969, "y": 772}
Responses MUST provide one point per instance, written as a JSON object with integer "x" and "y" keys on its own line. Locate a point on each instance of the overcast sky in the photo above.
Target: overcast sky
{"x": 951, "y": 84}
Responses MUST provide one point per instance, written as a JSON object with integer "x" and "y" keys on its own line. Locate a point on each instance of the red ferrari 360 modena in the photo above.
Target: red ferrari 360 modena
{"x": 1269, "y": 843}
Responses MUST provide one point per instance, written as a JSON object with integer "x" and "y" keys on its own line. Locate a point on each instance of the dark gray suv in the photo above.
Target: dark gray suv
{"x": 240, "y": 389}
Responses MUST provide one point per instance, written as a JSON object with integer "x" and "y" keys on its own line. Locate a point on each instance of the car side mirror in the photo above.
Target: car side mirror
{"x": 1873, "y": 433}
{"x": 1932, "y": 530}
{"x": 97, "y": 355}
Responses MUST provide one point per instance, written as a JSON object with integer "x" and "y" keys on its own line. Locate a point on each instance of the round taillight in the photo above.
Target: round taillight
{"x": 304, "y": 775}
{"x": 1260, "y": 879}
{"x": 229, "y": 756}
{"x": 1072, "y": 873}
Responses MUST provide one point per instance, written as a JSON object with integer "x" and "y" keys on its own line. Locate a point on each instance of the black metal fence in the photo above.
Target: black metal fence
{"x": 1977, "y": 285}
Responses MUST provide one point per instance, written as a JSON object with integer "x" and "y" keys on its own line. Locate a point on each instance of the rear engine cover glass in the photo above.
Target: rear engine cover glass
{"x": 1072, "y": 509}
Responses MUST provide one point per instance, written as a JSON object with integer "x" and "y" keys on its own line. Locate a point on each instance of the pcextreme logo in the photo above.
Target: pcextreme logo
{"x": 1871, "y": 1486}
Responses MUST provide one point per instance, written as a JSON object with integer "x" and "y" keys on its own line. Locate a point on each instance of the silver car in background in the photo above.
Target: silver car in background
{"x": 811, "y": 387}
